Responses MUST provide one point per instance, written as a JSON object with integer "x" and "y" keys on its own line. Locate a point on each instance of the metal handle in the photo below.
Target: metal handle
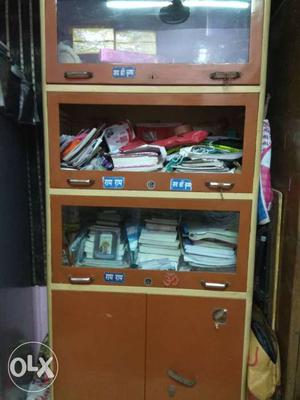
{"x": 81, "y": 182}
{"x": 180, "y": 379}
{"x": 78, "y": 75}
{"x": 215, "y": 285}
{"x": 219, "y": 185}
{"x": 81, "y": 281}
{"x": 225, "y": 76}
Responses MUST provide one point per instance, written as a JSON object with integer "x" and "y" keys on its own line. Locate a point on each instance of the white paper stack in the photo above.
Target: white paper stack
{"x": 159, "y": 245}
{"x": 209, "y": 248}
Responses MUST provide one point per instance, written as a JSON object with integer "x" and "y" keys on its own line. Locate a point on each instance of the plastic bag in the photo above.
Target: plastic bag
{"x": 264, "y": 359}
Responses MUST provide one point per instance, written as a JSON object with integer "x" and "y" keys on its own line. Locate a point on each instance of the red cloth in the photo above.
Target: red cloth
{"x": 190, "y": 138}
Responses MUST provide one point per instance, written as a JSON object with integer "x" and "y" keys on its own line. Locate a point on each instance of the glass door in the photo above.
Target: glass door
{"x": 199, "y": 244}
{"x": 154, "y": 42}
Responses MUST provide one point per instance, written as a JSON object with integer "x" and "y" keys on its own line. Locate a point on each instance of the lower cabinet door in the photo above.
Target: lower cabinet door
{"x": 194, "y": 348}
{"x": 99, "y": 339}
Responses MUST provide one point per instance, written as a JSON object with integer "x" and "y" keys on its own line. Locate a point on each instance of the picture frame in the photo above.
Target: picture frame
{"x": 105, "y": 245}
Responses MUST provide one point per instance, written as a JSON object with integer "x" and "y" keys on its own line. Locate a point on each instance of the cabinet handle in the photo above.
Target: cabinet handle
{"x": 219, "y": 185}
{"x": 80, "y": 182}
{"x": 78, "y": 75}
{"x": 81, "y": 281}
{"x": 225, "y": 76}
{"x": 215, "y": 285}
{"x": 180, "y": 379}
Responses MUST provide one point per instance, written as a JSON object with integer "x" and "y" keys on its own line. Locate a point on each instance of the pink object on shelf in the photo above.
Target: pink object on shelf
{"x": 121, "y": 56}
{"x": 189, "y": 138}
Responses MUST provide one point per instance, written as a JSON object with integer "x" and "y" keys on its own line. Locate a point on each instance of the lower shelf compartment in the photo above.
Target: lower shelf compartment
{"x": 128, "y": 346}
{"x": 184, "y": 243}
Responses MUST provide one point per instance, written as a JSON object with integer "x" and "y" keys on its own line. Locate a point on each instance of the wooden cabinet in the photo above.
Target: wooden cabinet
{"x": 99, "y": 340}
{"x": 127, "y": 324}
{"x": 154, "y": 42}
{"x": 126, "y": 346}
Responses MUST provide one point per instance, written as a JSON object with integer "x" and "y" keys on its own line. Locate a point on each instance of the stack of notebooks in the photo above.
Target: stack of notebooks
{"x": 159, "y": 245}
{"x": 215, "y": 155}
{"x": 209, "y": 248}
{"x": 78, "y": 151}
{"x": 104, "y": 244}
{"x": 143, "y": 158}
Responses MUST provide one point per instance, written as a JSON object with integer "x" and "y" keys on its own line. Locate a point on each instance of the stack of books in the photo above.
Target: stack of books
{"x": 143, "y": 158}
{"x": 209, "y": 248}
{"x": 78, "y": 151}
{"x": 159, "y": 245}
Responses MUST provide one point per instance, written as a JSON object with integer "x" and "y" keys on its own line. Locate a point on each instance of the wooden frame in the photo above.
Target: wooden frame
{"x": 157, "y": 74}
{"x": 242, "y": 183}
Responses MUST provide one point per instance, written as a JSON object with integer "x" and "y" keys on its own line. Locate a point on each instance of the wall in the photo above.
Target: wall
{"x": 284, "y": 86}
{"x": 23, "y": 314}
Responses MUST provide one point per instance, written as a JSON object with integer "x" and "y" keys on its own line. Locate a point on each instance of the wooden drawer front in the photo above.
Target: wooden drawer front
{"x": 234, "y": 279}
{"x": 68, "y": 113}
{"x": 182, "y": 337}
{"x": 211, "y": 41}
{"x": 99, "y": 340}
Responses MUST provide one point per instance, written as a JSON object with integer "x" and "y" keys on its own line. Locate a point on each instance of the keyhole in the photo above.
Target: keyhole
{"x": 171, "y": 390}
{"x": 220, "y": 317}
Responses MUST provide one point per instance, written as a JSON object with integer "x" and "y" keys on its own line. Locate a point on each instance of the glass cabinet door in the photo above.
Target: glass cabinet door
{"x": 205, "y": 142}
{"x": 154, "y": 41}
{"x": 181, "y": 243}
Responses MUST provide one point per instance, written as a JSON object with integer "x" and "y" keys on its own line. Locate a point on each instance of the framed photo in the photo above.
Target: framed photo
{"x": 105, "y": 246}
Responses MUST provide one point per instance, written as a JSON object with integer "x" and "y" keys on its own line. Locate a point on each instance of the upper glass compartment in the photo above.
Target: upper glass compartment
{"x": 153, "y": 32}
{"x": 154, "y": 42}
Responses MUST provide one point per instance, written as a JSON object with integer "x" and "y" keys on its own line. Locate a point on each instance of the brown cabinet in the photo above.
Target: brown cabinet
{"x": 150, "y": 260}
{"x": 154, "y": 42}
{"x": 127, "y": 347}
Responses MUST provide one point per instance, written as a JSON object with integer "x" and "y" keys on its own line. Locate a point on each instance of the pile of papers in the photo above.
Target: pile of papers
{"x": 164, "y": 240}
{"x": 159, "y": 245}
{"x": 146, "y": 147}
{"x": 215, "y": 155}
{"x": 209, "y": 247}
{"x": 90, "y": 149}
{"x": 78, "y": 151}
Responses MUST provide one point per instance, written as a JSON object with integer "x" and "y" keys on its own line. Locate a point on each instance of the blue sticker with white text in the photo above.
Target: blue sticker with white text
{"x": 113, "y": 182}
{"x": 114, "y": 277}
{"x": 124, "y": 72}
{"x": 181, "y": 185}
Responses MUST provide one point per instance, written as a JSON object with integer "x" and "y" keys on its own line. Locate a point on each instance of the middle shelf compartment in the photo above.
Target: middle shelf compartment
{"x": 158, "y": 242}
{"x": 147, "y": 141}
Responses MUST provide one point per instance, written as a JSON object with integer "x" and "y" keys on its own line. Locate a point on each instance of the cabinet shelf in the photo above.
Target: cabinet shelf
{"x": 229, "y": 115}
{"x": 108, "y": 241}
{"x": 119, "y": 42}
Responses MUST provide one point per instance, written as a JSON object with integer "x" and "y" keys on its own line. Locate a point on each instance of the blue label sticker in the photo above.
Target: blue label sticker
{"x": 124, "y": 72}
{"x": 114, "y": 277}
{"x": 113, "y": 182}
{"x": 181, "y": 185}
